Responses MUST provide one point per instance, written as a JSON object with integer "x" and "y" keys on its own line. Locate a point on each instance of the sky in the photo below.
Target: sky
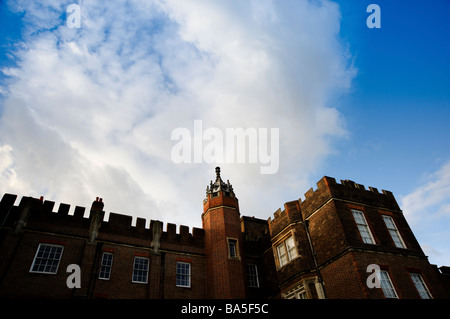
{"x": 91, "y": 110}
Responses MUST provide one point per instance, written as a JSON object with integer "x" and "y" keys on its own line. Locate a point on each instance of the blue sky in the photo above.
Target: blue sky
{"x": 398, "y": 109}
{"x": 400, "y": 99}
{"x": 89, "y": 112}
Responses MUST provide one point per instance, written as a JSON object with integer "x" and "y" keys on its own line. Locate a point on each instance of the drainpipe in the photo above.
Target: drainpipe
{"x": 313, "y": 254}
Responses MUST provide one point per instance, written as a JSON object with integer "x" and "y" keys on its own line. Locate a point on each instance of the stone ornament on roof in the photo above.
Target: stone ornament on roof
{"x": 219, "y": 185}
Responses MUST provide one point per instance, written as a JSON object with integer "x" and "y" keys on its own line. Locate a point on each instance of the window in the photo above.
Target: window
{"x": 183, "y": 274}
{"x": 386, "y": 285}
{"x": 282, "y": 257}
{"x": 140, "y": 270}
{"x": 252, "y": 276}
{"x": 290, "y": 246}
{"x": 420, "y": 286}
{"x": 286, "y": 251}
{"x": 298, "y": 292}
{"x": 398, "y": 241}
{"x": 232, "y": 248}
{"x": 301, "y": 294}
{"x": 105, "y": 266}
{"x": 47, "y": 259}
{"x": 363, "y": 227}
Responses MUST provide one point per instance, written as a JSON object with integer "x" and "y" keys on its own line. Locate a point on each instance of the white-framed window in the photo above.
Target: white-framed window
{"x": 252, "y": 276}
{"x": 393, "y": 231}
{"x": 301, "y": 294}
{"x": 286, "y": 251}
{"x": 140, "y": 270}
{"x": 420, "y": 286}
{"x": 47, "y": 259}
{"x": 282, "y": 257}
{"x": 232, "y": 248}
{"x": 183, "y": 274}
{"x": 386, "y": 285}
{"x": 290, "y": 246}
{"x": 363, "y": 227}
{"x": 298, "y": 292}
{"x": 105, "y": 266}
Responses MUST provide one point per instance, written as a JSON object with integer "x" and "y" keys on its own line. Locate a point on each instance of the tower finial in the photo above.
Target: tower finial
{"x": 219, "y": 186}
{"x": 217, "y": 173}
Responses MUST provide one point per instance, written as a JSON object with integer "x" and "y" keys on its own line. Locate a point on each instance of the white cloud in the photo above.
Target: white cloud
{"x": 427, "y": 211}
{"x": 430, "y": 200}
{"x": 90, "y": 111}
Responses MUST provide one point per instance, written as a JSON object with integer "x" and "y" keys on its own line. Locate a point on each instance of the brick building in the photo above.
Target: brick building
{"x": 317, "y": 248}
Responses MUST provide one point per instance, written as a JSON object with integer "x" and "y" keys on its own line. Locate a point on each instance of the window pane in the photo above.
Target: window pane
{"x": 252, "y": 275}
{"x": 282, "y": 255}
{"x": 393, "y": 231}
{"x": 183, "y": 274}
{"x": 105, "y": 267}
{"x": 292, "y": 251}
{"x": 396, "y": 239}
{"x": 301, "y": 295}
{"x": 386, "y": 285}
{"x": 389, "y": 222}
{"x": 359, "y": 217}
{"x": 232, "y": 248}
{"x": 140, "y": 270}
{"x": 365, "y": 234}
{"x": 363, "y": 227}
{"x": 420, "y": 286}
{"x": 47, "y": 259}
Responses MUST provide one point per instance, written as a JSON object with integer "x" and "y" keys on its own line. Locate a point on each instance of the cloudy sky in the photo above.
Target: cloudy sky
{"x": 90, "y": 111}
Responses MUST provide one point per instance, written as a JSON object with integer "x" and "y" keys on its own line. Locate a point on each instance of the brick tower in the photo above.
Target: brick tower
{"x": 226, "y": 277}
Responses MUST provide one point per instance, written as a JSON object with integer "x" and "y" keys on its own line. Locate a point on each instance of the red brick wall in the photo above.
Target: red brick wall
{"x": 342, "y": 279}
{"x": 116, "y": 236}
{"x": 198, "y": 278}
{"x": 341, "y": 255}
{"x": 21, "y": 283}
{"x": 399, "y": 269}
{"x": 226, "y": 278}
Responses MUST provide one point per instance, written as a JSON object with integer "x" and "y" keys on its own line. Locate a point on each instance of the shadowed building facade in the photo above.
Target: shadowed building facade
{"x": 319, "y": 247}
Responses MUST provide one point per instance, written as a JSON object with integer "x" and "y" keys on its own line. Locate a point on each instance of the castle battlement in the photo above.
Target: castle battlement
{"x": 347, "y": 190}
{"x": 282, "y": 218}
{"x": 38, "y": 214}
{"x": 330, "y": 183}
{"x": 328, "y": 188}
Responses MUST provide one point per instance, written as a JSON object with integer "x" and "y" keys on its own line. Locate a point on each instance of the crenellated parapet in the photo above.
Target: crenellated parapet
{"x": 282, "y": 218}
{"x": 328, "y": 188}
{"x": 40, "y": 215}
{"x": 348, "y": 191}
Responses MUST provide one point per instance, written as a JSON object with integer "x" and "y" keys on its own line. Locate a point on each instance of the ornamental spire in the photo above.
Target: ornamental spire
{"x": 218, "y": 174}
{"x": 219, "y": 185}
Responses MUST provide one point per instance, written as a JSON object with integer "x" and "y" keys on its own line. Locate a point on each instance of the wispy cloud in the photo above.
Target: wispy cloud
{"x": 432, "y": 198}
{"x": 89, "y": 111}
{"x": 427, "y": 210}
